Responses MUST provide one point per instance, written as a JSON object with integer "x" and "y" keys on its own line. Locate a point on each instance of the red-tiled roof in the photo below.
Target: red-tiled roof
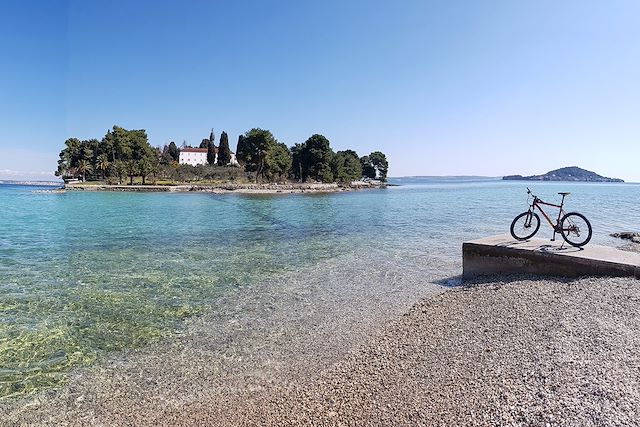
{"x": 193, "y": 150}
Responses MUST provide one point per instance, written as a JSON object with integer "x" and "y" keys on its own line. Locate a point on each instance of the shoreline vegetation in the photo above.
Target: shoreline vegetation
{"x": 125, "y": 158}
{"x": 226, "y": 188}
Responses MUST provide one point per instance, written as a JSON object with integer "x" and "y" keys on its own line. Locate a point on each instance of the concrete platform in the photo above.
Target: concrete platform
{"x": 504, "y": 255}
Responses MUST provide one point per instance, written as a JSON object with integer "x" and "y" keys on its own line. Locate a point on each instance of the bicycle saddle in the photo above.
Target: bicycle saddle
{"x": 564, "y": 194}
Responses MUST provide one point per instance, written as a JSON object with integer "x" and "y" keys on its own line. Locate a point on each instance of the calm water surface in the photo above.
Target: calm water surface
{"x": 83, "y": 274}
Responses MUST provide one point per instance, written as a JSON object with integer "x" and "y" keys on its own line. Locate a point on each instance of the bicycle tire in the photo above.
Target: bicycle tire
{"x": 566, "y": 230}
{"x": 534, "y": 219}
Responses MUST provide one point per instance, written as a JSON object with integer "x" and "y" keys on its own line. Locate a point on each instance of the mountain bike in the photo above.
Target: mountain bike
{"x": 574, "y": 227}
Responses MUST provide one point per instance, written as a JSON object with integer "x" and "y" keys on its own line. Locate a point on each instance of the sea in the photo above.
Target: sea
{"x": 85, "y": 275}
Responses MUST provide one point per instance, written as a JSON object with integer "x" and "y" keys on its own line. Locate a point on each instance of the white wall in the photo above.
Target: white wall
{"x": 193, "y": 159}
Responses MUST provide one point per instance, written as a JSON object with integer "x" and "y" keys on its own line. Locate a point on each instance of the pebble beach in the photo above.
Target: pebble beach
{"x": 504, "y": 351}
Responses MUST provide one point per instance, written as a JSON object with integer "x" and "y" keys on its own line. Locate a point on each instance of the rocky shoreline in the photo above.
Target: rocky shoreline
{"x": 227, "y": 188}
{"x": 633, "y": 239}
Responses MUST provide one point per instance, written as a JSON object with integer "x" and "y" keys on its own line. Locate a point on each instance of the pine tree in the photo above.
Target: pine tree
{"x": 253, "y": 147}
{"x": 316, "y": 159}
{"x": 380, "y": 164}
{"x": 368, "y": 171}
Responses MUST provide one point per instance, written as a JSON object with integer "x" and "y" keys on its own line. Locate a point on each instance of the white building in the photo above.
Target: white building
{"x": 193, "y": 156}
{"x": 198, "y": 156}
{"x": 233, "y": 161}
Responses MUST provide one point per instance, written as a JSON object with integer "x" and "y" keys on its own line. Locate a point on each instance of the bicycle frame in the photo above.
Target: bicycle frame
{"x": 537, "y": 204}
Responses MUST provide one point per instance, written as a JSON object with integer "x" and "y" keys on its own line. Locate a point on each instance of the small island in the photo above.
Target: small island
{"x": 572, "y": 173}
{"x": 123, "y": 160}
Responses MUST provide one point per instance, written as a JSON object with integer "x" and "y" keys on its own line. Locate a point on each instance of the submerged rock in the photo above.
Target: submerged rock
{"x": 627, "y": 235}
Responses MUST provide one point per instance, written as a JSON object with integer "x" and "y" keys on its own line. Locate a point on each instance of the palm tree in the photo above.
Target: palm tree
{"x": 144, "y": 167}
{"x": 83, "y": 168}
{"x": 132, "y": 169}
{"x": 155, "y": 169}
{"x": 103, "y": 164}
{"x": 120, "y": 169}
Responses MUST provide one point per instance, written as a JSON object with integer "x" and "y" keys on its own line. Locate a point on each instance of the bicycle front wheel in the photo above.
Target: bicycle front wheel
{"x": 575, "y": 229}
{"x": 525, "y": 225}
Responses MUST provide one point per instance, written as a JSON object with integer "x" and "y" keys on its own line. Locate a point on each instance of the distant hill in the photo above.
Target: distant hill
{"x": 572, "y": 173}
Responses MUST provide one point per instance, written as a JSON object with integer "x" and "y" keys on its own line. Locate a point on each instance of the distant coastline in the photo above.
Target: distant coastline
{"x": 443, "y": 178}
{"x": 32, "y": 183}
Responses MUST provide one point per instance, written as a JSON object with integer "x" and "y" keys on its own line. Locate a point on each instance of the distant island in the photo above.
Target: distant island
{"x": 572, "y": 173}
{"x": 125, "y": 157}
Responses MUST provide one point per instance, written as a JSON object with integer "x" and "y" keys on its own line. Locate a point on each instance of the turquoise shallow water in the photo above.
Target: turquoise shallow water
{"x": 84, "y": 274}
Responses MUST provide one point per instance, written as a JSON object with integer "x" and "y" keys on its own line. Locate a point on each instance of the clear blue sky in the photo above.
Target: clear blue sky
{"x": 443, "y": 88}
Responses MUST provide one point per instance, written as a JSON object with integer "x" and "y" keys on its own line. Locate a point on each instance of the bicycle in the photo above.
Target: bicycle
{"x": 574, "y": 227}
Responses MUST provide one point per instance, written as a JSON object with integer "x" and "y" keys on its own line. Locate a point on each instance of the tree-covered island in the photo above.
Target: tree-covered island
{"x": 125, "y": 157}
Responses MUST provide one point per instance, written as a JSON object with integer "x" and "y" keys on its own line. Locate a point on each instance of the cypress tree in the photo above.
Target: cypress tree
{"x": 173, "y": 151}
{"x": 224, "y": 152}
{"x": 211, "y": 153}
{"x": 211, "y": 149}
{"x": 241, "y": 150}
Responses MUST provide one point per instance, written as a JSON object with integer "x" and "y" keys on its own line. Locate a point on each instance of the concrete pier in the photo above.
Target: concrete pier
{"x": 504, "y": 255}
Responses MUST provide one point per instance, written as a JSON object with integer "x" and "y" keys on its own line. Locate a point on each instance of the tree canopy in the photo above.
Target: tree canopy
{"x": 346, "y": 166}
{"x": 253, "y": 148}
{"x": 316, "y": 157}
{"x": 380, "y": 165}
{"x": 277, "y": 162}
{"x": 87, "y": 158}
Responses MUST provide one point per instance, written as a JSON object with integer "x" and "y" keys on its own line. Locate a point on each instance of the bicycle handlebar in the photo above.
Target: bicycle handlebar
{"x": 529, "y": 192}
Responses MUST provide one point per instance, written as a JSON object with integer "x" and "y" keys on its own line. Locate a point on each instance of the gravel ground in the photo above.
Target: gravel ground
{"x": 520, "y": 352}
{"x": 524, "y": 352}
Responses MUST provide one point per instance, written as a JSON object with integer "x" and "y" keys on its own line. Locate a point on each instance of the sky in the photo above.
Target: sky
{"x": 486, "y": 88}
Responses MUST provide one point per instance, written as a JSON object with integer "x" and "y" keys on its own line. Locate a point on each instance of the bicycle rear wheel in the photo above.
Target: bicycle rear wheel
{"x": 576, "y": 229}
{"x": 525, "y": 225}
